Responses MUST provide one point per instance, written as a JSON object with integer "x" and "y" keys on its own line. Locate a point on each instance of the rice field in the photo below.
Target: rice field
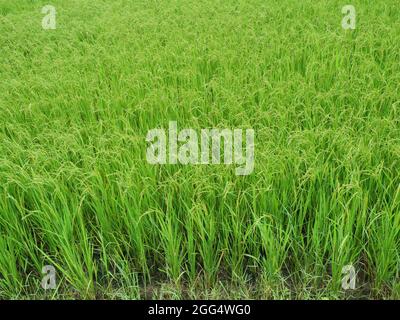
{"x": 78, "y": 194}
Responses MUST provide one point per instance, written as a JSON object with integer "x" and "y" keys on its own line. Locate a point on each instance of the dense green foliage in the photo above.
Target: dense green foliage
{"x": 77, "y": 192}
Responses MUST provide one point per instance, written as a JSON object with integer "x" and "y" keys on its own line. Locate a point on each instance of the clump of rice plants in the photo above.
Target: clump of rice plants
{"x": 76, "y": 190}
